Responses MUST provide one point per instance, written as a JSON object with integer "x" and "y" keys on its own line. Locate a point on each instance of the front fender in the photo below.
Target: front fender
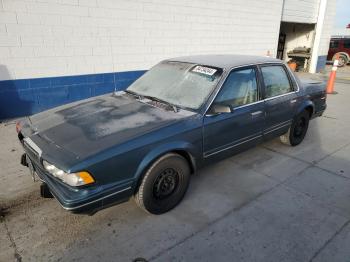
{"x": 163, "y": 149}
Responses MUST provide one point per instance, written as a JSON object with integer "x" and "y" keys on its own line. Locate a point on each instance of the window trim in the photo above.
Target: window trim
{"x": 258, "y": 89}
{"x": 215, "y": 92}
{"x": 291, "y": 83}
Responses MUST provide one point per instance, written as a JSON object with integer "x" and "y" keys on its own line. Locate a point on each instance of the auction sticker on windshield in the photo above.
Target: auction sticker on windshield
{"x": 204, "y": 70}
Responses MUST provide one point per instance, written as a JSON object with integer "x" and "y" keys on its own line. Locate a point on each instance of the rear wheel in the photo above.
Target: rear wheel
{"x": 343, "y": 60}
{"x": 297, "y": 130}
{"x": 164, "y": 184}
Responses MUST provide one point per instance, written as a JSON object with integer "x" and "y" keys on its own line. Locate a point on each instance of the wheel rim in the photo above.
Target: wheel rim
{"x": 165, "y": 184}
{"x": 341, "y": 61}
{"x": 299, "y": 127}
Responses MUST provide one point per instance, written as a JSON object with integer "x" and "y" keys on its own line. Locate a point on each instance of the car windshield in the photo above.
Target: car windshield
{"x": 182, "y": 84}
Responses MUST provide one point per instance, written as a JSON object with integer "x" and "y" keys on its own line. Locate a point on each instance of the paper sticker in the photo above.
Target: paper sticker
{"x": 204, "y": 70}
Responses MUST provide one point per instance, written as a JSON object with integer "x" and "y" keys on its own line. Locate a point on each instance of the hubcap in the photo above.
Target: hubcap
{"x": 341, "y": 61}
{"x": 165, "y": 183}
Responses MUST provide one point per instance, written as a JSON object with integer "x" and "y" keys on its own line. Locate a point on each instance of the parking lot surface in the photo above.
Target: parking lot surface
{"x": 270, "y": 203}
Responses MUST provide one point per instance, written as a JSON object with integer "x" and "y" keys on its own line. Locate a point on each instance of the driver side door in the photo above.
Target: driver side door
{"x": 242, "y": 125}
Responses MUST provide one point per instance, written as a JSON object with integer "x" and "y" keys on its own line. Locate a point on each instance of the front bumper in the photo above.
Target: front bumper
{"x": 87, "y": 199}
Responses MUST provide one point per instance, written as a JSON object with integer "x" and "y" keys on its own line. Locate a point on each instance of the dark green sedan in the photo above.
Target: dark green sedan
{"x": 146, "y": 141}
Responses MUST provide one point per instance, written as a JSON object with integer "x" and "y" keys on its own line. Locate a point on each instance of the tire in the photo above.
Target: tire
{"x": 297, "y": 130}
{"x": 343, "y": 60}
{"x": 164, "y": 184}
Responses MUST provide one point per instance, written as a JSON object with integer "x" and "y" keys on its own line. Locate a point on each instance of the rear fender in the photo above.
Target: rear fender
{"x": 305, "y": 104}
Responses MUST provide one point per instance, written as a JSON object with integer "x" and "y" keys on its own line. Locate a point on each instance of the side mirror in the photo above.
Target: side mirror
{"x": 217, "y": 109}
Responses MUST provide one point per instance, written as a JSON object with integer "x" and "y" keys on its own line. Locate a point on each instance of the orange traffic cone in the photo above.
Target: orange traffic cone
{"x": 331, "y": 80}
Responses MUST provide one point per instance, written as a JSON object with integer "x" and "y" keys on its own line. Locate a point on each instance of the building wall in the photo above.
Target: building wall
{"x": 342, "y": 32}
{"x": 297, "y": 35}
{"x": 53, "y": 45}
{"x": 71, "y": 37}
{"x": 327, "y": 27}
{"x": 310, "y": 12}
{"x": 325, "y": 36}
{"x": 300, "y": 11}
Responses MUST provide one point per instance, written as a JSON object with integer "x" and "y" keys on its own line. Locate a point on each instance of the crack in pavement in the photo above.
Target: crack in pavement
{"x": 313, "y": 163}
{"x": 18, "y": 257}
{"x": 281, "y": 183}
{"x": 216, "y": 220}
{"x": 329, "y": 240}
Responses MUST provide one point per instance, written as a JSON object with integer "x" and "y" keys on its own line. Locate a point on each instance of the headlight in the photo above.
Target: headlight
{"x": 72, "y": 179}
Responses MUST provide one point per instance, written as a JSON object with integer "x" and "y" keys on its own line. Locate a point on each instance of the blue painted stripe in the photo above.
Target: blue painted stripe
{"x": 321, "y": 63}
{"x": 29, "y": 96}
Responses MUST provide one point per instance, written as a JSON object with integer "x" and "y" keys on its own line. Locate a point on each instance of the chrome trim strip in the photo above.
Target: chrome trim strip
{"x": 283, "y": 124}
{"x": 33, "y": 146}
{"x": 232, "y": 146}
{"x": 294, "y": 78}
{"x": 250, "y": 104}
{"x": 222, "y": 81}
{"x": 256, "y": 113}
{"x": 273, "y": 97}
{"x": 96, "y": 200}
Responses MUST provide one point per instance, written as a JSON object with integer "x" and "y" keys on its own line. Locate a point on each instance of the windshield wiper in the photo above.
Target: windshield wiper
{"x": 174, "y": 107}
{"x": 140, "y": 97}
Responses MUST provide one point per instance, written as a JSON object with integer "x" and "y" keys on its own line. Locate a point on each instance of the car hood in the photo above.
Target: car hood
{"x": 93, "y": 125}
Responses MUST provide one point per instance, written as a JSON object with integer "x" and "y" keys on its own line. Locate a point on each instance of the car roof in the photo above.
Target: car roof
{"x": 225, "y": 61}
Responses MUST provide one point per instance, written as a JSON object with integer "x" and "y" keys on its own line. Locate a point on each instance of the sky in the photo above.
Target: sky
{"x": 342, "y": 17}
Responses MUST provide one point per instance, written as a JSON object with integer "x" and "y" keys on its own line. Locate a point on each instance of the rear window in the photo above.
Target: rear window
{"x": 276, "y": 81}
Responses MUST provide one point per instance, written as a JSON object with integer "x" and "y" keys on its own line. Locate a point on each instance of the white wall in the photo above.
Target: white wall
{"x": 322, "y": 34}
{"x": 300, "y": 11}
{"x": 70, "y": 37}
{"x": 327, "y": 28}
{"x": 341, "y": 32}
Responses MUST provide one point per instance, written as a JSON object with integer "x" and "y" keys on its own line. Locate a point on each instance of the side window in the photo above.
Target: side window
{"x": 240, "y": 88}
{"x": 334, "y": 44}
{"x": 346, "y": 43}
{"x": 276, "y": 81}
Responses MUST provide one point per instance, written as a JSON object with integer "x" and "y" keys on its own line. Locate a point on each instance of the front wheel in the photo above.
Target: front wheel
{"x": 297, "y": 130}
{"x": 164, "y": 184}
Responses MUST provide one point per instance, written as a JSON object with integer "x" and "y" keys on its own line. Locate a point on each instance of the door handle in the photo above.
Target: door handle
{"x": 293, "y": 101}
{"x": 256, "y": 113}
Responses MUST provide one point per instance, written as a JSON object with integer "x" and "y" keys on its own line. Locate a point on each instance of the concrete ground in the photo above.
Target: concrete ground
{"x": 270, "y": 203}
{"x": 343, "y": 73}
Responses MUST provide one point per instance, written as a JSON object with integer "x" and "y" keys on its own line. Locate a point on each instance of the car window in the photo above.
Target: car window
{"x": 347, "y": 43}
{"x": 240, "y": 88}
{"x": 334, "y": 44}
{"x": 182, "y": 84}
{"x": 276, "y": 81}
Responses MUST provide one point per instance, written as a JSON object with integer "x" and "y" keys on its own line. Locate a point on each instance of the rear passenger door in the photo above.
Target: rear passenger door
{"x": 280, "y": 99}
